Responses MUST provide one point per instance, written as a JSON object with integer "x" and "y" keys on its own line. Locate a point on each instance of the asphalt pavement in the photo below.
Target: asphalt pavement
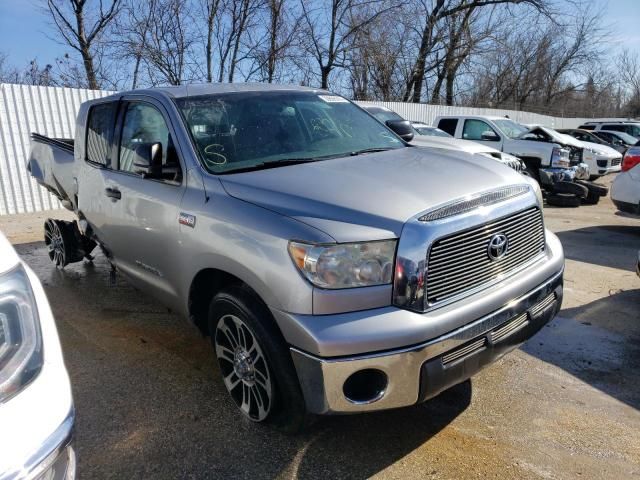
{"x": 150, "y": 402}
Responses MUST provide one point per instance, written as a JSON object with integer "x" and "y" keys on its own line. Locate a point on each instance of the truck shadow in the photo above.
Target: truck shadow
{"x": 362, "y": 445}
{"x": 608, "y": 245}
{"x": 598, "y": 341}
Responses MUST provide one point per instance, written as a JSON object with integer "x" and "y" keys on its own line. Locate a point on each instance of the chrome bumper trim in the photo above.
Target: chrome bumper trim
{"x": 322, "y": 379}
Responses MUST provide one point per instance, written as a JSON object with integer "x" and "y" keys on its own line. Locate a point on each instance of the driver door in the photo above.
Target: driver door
{"x": 480, "y": 131}
{"x": 146, "y": 210}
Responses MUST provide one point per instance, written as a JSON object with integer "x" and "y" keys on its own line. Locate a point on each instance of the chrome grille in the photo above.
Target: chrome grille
{"x": 460, "y": 262}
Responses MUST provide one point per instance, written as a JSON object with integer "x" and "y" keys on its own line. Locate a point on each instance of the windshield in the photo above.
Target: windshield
{"x": 247, "y": 131}
{"x": 626, "y": 138}
{"x": 510, "y": 128}
{"x": 431, "y": 132}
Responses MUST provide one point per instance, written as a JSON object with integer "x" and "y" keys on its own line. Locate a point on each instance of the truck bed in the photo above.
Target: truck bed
{"x": 52, "y": 163}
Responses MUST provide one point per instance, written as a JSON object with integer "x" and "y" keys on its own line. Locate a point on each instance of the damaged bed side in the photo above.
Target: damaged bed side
{"x": 52, "y": 163}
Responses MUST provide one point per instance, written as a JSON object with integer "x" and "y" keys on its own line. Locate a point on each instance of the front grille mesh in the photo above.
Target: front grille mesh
{"x": 616, "y": 161}
{"x": 460, "y": 262}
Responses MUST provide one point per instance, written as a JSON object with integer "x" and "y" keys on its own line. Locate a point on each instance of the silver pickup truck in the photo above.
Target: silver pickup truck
{"x": 336, "y": 268}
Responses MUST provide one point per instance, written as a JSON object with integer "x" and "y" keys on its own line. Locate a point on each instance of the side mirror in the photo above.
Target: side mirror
{"x": 148, "y": 160}
{"x": 401, "y": 127}
{"x": 490, "y": 136}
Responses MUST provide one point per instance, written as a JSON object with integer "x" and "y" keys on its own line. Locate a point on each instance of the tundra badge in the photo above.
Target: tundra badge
{"x": 187, "y": 219}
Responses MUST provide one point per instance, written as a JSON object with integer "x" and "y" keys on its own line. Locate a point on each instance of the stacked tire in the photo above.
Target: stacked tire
{"x": 573, "y": 194}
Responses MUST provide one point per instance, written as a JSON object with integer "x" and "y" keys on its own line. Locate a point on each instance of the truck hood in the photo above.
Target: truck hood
{"x": 557, "y": 137}
{"x": 370, "y": 196}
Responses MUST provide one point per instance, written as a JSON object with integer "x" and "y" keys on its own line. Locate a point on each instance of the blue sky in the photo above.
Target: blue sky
{"x": 25, "y": 32}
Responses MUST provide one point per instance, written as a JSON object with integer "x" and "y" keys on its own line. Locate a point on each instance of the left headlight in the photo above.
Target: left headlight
{"x": 345, "y": 265}
{"x": 21, "y": 354}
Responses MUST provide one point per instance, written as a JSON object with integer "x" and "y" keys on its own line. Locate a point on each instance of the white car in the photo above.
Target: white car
{"x": 450, "y": 143}
{"x": 36, "y": 405}
{"x": 428, "y": 130}
{"x": 625, "y": 190}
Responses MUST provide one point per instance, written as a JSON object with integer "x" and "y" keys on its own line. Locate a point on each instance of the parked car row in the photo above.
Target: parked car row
{"x": 424, "y": 136}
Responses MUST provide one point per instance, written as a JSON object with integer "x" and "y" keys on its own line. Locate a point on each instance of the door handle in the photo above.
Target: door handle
{"x": 113, "y": 193}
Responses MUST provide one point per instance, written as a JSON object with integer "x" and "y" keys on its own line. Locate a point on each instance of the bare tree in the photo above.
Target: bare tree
{"x": 211, "y": 8}
{"x": 629, "y": 68}
{"x": 433, "y": 12}
{"x": 168, "y": 45}
{"x": 238, "y": 18}
{"x": 131, "y": 34}
{"x": 329, "y": 32}
{"x": 80, "y": 27}
{"x": 8, "y": 74}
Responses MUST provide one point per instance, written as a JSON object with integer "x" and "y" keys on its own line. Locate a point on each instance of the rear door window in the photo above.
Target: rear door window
{"x": 448, "y": 125}
{"x": 99, "y": 133}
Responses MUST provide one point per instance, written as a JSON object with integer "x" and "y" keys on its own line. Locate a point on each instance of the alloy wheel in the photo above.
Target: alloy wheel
{"x": 244, "y": 367}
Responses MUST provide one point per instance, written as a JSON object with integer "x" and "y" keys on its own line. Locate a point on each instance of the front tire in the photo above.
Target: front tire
{"x": 254, "y": 360}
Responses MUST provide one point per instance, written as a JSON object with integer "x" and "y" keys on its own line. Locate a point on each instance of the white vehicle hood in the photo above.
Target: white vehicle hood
{"x": 452, "y": 144}
{"x": 602, "y": 150}
{"x": 8, "y": 256}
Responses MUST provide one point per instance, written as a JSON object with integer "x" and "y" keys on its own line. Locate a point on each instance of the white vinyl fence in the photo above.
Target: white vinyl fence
{"x": 427, "y": 113}
{"x": 52, "y": 111}
{"x": 24, "y": 109}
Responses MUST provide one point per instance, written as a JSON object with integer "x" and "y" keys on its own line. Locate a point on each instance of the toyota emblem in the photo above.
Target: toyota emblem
{"x": 498, "y": 245}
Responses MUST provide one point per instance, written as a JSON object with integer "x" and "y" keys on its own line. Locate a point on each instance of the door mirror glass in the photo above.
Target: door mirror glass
{"x": 148, "y": 160}
{"x": 490, "y": 136}
{"x": 401, "y": 127}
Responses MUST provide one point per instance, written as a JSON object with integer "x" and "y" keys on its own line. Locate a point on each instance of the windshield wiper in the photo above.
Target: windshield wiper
{"x": 273, "y": 164}
{"x": 370, "y": 150}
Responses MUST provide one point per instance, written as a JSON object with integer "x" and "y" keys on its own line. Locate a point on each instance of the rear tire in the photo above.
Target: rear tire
{"x": 254, "y": 361}
{"x": 594, "y": 188}
{"x": 563, "y": 200}
{"x": 61, "y": 243}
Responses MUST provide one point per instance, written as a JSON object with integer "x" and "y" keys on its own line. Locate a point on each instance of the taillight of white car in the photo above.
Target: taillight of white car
{"x": 631, "y": 159}
{"x": 36, "y": 406}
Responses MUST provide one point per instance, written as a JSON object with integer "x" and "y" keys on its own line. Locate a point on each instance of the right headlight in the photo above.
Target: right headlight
{"x": 345, "y": 265}
{"x": 21, "y": 355}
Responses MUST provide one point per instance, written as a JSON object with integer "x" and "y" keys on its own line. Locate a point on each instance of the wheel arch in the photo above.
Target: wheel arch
{"x": 206, "y": 283}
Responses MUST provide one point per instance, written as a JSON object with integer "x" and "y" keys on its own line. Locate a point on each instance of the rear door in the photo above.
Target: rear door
{"x": 448, "y": 125}
{"x": 144, "y": 235}
{"x": 95, "y": 163}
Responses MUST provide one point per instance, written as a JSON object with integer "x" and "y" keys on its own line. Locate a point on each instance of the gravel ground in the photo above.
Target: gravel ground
{"x": 150, "y": 403}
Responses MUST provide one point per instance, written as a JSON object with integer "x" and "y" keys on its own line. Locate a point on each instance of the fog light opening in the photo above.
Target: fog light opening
{"x": 365, "y": 386}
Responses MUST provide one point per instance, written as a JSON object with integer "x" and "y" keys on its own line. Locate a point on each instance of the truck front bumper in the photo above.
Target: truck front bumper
{"x": 406, "y": 376}
{"x": 549, "y": 176}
